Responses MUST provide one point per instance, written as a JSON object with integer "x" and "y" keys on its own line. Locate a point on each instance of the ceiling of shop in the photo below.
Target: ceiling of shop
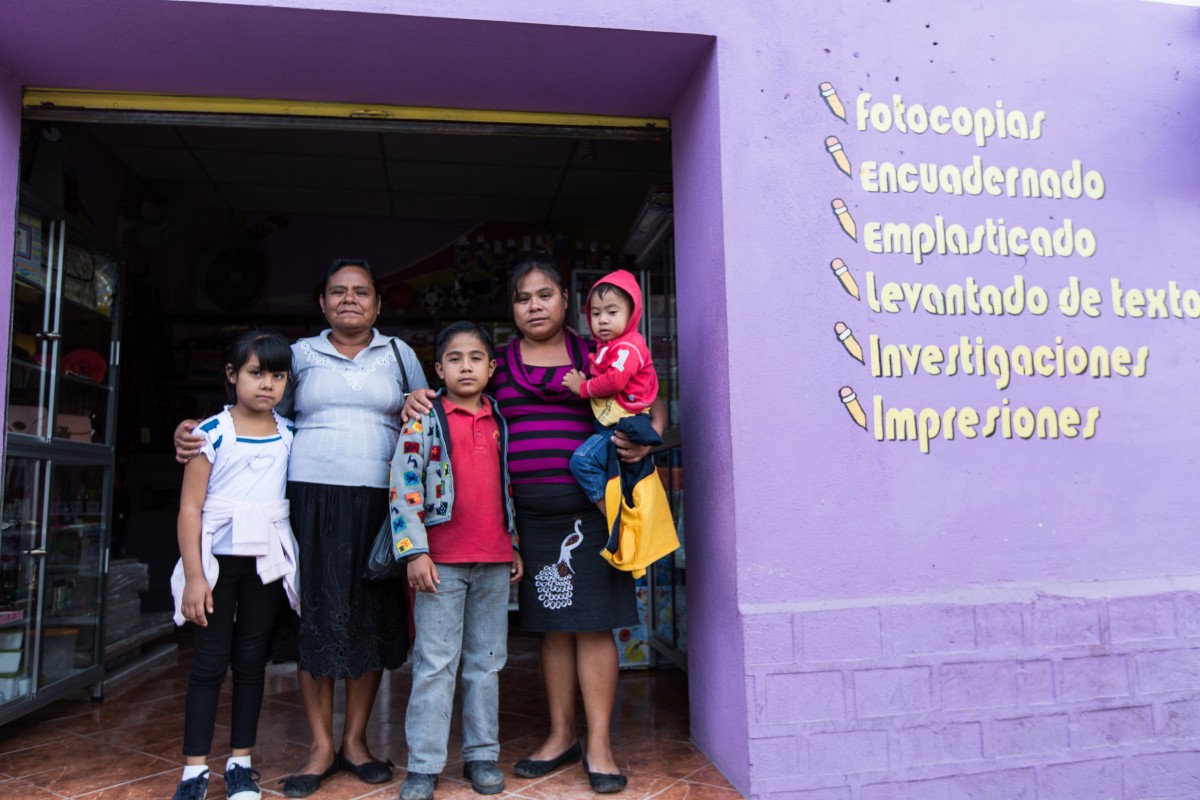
{"x": 401, "y": 175}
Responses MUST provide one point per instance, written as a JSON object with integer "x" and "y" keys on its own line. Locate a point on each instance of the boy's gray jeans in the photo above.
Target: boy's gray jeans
{"x": 467, "y": 620}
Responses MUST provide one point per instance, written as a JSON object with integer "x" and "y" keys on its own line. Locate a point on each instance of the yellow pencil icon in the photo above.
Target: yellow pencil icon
{"x": 846, "y": 337}
{"x": 833, "y": 146}
{"x": 850, "y": 399}
{"x": 844, "y": 219}
{"x": 843, "y": 275}
{"x": 832, "y": 100}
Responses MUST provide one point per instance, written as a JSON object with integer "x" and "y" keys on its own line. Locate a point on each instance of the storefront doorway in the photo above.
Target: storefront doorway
{"x": 175, "y": 232}
{"x": 461, "y": 56}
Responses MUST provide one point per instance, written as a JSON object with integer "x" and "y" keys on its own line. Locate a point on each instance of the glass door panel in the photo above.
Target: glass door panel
{"x": 32, "y": 331}
{"x": 74, "y": 566}
{"x": 21, "y": 553}
{"x": 85, "y": 324}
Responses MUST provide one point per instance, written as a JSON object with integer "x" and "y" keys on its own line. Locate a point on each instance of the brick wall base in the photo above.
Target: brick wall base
{"x": 1044, "y": 697}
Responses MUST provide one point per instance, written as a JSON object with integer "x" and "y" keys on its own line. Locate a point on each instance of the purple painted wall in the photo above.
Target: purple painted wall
{"x": 998, "y": 618}
{"x": 719, "y": 721}
{"x": 252, "y": 51}
{"x": 10, "y": 147}
{"x": 882, "y": 517}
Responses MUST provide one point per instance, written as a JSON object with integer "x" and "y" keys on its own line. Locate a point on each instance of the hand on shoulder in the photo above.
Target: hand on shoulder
{"x": 418, "y": 402}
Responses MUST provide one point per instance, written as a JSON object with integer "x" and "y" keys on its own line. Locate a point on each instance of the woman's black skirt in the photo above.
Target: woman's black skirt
{"x": 347, "y": 626}
{"x": 567, "y": 586}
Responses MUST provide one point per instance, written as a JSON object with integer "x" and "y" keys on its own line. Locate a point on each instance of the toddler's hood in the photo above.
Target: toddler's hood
{"x": 622, "y": 279}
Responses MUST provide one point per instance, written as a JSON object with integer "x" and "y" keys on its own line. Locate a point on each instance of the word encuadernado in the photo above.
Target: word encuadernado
{"x": 885, "y": 177}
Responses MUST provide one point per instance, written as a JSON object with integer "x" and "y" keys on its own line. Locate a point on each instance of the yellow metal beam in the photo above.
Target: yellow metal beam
{"x": 35, "y": 98}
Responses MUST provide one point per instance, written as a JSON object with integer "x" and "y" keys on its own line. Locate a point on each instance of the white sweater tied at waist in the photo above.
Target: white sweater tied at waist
{"x": 260, "y": 530}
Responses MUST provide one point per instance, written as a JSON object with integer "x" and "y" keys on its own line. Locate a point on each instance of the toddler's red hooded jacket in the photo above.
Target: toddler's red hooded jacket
{"x": 621, "y": 368}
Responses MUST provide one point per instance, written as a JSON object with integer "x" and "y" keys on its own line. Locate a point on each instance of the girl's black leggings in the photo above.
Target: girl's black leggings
{"x": 237, "y": 633}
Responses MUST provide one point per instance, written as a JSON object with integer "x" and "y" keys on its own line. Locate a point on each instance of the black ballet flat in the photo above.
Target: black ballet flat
{"x": 368, "y": 772}
{"x": 528, "y": 768}
{"x": 304, "y": 785}
{"x": 605, "y": 782}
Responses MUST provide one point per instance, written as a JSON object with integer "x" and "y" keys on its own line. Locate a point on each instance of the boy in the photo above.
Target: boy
{"x": 623, "y": 382}
{"x": 455, "y": 527}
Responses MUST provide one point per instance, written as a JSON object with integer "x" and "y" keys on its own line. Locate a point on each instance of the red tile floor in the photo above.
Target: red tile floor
{"x": 128, "y": 747}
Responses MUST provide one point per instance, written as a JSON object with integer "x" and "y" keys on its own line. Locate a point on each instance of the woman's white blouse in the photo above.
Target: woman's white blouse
{"x": 347, "y": 410}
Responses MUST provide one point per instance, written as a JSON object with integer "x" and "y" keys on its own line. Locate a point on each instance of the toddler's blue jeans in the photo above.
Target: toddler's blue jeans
{"x": 589, "y": 465}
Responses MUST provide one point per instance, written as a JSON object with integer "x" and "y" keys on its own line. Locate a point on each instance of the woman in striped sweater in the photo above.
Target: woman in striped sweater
{"x": 569, "y": 593}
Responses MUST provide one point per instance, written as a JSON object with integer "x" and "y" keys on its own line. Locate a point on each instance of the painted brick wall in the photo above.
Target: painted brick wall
{"x": 1053, "y": 698}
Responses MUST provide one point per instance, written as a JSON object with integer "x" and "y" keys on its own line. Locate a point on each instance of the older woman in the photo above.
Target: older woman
{"x": 347, "y": 402}
{"x": 569, "y": 593}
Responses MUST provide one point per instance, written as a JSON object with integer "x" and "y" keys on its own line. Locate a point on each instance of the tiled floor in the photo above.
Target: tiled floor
{"x": 128, "y": 747}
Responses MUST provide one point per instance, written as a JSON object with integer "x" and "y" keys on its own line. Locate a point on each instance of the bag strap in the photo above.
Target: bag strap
{"x": 400, "y": 364}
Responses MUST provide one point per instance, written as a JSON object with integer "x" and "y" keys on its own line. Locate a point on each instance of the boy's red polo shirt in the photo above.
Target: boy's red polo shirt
{"x": 476, "y": 528}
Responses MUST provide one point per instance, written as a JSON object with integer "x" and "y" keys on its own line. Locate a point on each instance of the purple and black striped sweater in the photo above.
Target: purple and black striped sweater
{"x": 546, "y": 422}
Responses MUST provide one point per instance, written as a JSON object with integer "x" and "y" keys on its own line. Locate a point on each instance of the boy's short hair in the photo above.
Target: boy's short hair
{"x": 463, "y": 326}
{"x": 603, "y": 289}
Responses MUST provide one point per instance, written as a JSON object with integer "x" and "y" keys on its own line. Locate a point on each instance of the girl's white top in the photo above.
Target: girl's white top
{"x": 347, "y": 410}
{"x": 245, "y": 509}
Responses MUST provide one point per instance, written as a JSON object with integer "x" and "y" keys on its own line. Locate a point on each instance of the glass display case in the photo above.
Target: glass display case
{"x": 54, "y": 534}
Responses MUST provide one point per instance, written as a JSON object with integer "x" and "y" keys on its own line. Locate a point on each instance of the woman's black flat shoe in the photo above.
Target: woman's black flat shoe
{"x": 528, "y": 768}
{"x": 605, "y": 782}
{"x": 304, "y": 785}
{"x": 370, "y": 772}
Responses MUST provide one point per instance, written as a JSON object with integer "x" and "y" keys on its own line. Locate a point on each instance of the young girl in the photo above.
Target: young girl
{"x": 237, "y": 558}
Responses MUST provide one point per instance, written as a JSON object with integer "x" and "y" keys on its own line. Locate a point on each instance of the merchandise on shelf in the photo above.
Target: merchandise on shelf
{"x": 632, "y": 648}
{"x": 28, "y": 251}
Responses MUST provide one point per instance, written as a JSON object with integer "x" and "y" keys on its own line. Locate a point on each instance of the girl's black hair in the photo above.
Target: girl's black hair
{"x": 463, "y": 326}
{"x": 340, "y": 263}
{"x": 273, "y": 351}
{"x": 535, "y": 264}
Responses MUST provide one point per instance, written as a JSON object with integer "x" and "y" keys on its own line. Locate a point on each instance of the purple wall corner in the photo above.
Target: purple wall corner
{"x": 10, "y": 175}
{"x": 715, "y": 652}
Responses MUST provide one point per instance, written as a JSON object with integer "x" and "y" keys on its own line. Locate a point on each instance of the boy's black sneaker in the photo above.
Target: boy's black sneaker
{"x": 485, "y": 776}
{"x": 418, "y": 786}
{"x": 193, "y": 788}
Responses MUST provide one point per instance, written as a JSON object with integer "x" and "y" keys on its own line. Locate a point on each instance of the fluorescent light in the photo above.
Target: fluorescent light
{"x": 651, "y": 225}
